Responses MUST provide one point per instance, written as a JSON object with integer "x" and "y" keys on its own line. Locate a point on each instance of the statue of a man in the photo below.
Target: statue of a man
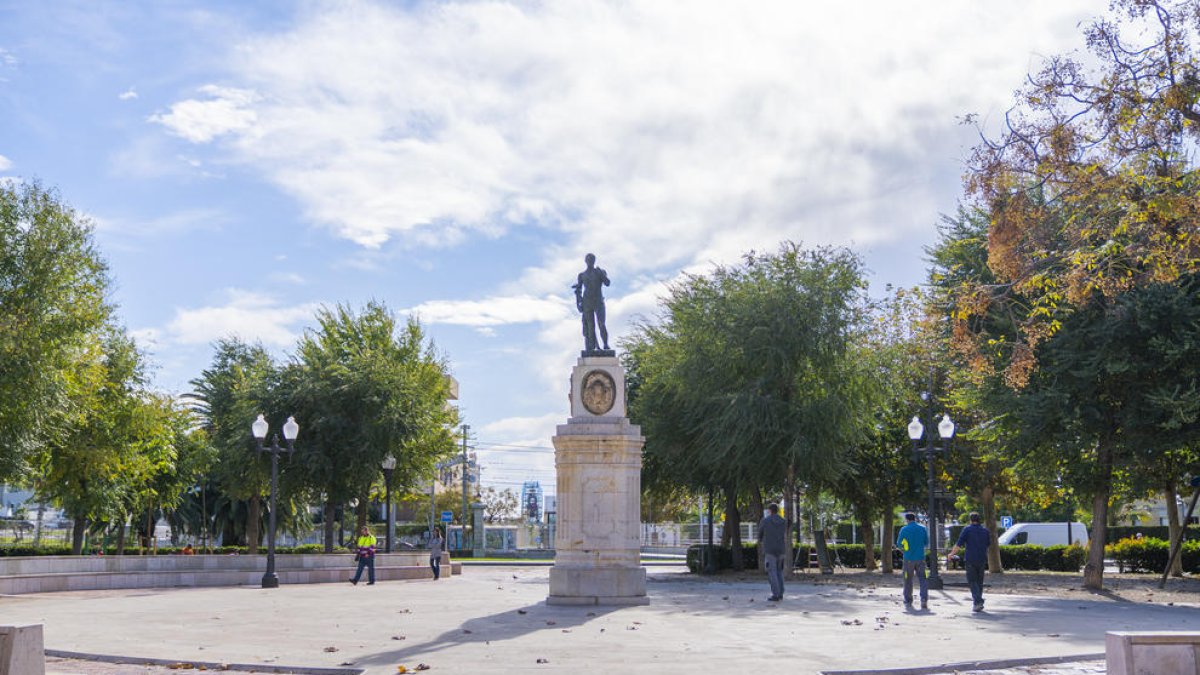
{"x": 589, "y": 299}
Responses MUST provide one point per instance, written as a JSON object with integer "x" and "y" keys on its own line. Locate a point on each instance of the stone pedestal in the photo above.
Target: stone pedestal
{"x": 598, "y": 457}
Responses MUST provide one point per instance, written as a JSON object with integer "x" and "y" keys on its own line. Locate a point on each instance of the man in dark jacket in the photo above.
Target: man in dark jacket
{"x": 976, "y": 539}
{"x": 772, "y": 537}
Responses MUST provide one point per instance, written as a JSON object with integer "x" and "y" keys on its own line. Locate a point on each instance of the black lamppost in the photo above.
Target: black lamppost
{"x": 389, "y": 465}
{"x": 915, "y": 431}
{"x": 290, "y": 429}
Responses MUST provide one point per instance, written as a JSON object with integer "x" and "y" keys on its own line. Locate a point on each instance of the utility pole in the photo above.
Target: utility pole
{"x": 465, "y": 429}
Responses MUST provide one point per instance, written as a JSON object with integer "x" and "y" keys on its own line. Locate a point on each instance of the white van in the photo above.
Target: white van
{"x": 1045, "y": 534}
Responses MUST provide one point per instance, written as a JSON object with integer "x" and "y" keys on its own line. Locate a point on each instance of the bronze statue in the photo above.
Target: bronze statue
{"x": 589, "y": 299}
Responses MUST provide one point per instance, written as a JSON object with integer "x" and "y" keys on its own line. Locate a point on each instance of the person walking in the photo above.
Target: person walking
{"x": 437, "y": 544}
{"x": 975, "y": 539}
{"x": 912, "y": 540}
{"x": 364, "y": 553}
{"x": 772, "y": 538}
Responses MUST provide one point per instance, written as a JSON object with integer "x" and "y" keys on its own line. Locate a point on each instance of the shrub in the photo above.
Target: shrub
{"x": 1139, "y": 555}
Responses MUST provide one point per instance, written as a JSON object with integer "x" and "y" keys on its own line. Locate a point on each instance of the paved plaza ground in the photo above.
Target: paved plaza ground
{"x": 494, "y": 619}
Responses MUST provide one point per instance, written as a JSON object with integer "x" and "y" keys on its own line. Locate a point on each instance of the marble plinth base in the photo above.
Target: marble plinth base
{"x": 598, "y": 458}
{"x": 597, "y": 586}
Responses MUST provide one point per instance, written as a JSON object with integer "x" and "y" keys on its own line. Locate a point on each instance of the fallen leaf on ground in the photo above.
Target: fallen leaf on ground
{"x": 467, "y": 631}
{"x": 542, "y": 661}
{"x": 551, "y": 623}
{"x": 521, "y": 611}
{"x": 331, "y": 649}
{"x": 422, "y": 666}
{"x": 397, "y": 637}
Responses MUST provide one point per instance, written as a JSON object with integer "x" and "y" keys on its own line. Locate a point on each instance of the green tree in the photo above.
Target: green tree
{"x": 893, "y": 356}
{"x": 1090, "y": 191}
{"x": 499, "y": 505}
{"x": 241, "y": 383}
{"x": 52, "y": 307}
{"x": 363, "y": 388}
{"x": 745, "y": 382}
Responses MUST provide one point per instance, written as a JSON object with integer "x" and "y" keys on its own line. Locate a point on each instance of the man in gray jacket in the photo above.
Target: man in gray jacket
{"x": 772, "y": 537}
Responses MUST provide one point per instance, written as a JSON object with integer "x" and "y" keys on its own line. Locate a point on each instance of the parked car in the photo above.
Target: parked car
{"x": 1045, "y": 534}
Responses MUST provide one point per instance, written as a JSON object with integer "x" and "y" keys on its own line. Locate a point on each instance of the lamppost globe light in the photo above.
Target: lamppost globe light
{"x": 946, "y": 427}
{"x": 915, "y": 429}
{"x": 388, "y": 463}
{"x": 259, "y": 427}
{"x": 290, "y": 429}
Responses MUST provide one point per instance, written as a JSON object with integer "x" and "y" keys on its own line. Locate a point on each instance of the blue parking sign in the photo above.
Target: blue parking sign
{"x": 447, "y": 516}
{"x": 1006, "y": 522}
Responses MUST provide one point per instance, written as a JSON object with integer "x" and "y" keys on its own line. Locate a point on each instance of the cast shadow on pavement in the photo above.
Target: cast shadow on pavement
{"x": 507, "y": 625}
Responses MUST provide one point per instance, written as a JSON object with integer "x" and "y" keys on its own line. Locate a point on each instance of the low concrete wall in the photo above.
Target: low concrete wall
{"x": 22, "y": 651}
{"x": 44, "y": 574}
{"x": 1152, "y": 653}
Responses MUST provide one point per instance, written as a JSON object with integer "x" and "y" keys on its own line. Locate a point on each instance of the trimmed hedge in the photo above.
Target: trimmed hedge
{"x": 850, "y": 555}
{"x": 1053, "y": 558}
{"x": 1118, "y": 532}
{"x": 1025, "y": 557}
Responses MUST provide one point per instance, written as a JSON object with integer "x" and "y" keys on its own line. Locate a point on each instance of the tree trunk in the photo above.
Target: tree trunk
{"x": 733, "y": 526}
{"x": 330, "y": 513}
{"x": 889, "y": 539}
{"x": 77, "y": 532}
{"x": 868, "y": 540}
{"x": 121, "y": 538}
{"x": 789, "y": 555}
{"x": 1173, "y": 525}
{"x": 756, "y": 506}
{"x": 253, "y": 524}
{"x": 147, "y": 534}
{"x": 360, "y": 515}
{"x": 1093, "y": 571}
{"x": 988, "y": 498}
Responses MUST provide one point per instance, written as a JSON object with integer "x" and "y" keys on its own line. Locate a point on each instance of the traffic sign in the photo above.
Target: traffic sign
{"x": 1006, "y": 522}
{"x": 447, "y": 516}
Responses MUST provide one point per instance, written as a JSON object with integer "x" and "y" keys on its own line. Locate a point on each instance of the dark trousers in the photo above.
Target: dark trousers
{"x": 435, "y": 564}
{"x": 975, "y": 572}
{"x": 369, "y": 563}
{"x": 915, "y": 568}
{"x": 775, "y": 573}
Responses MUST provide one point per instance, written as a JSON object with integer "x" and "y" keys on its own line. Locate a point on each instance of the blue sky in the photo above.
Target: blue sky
{"x": 246, "y": 162}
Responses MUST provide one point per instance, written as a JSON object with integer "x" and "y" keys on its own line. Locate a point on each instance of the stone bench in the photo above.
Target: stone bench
{"x": 48, "y": 574}
{"x": 21, "y": 650}
{"x": 1152, "y": 653}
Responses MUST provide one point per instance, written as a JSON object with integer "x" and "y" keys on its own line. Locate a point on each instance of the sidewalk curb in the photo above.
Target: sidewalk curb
{"x": 210, "y": 665}
{"x": 972, "y": 665}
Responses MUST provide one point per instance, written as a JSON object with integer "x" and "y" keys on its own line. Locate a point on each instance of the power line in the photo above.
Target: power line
{"x": 513, "y": 447}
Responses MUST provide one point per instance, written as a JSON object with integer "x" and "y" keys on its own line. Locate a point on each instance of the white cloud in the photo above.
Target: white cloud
{"x": 494, "y": 311}
{"x": 662, "y": 137}
{"x": 166, "y": 224}
{"x": 146, "y": 338}
{"x": 224, "y": 110}
{"x": 5, "y": 163}
{"x": 129, "y": 94}
{"x": 248, "y": 315}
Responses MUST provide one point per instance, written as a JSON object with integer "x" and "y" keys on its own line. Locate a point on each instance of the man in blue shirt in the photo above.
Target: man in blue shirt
{"x": 976, "y": 539}
{"x": 912, "y": 540}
